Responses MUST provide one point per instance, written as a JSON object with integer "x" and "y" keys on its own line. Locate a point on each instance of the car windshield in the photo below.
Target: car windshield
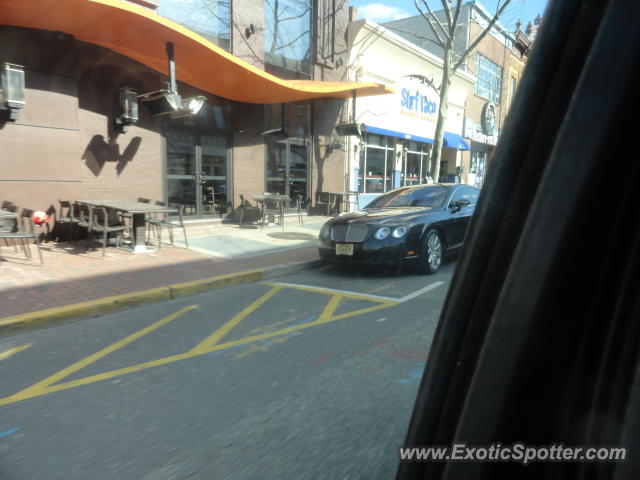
{"x": 411, "y": 197}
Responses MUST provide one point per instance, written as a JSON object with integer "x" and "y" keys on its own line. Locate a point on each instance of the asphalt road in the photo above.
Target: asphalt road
{"x": 309, "y": 376}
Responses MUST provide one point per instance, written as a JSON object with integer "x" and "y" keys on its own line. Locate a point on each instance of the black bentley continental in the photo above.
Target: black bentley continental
{"x": 417, "y": 225}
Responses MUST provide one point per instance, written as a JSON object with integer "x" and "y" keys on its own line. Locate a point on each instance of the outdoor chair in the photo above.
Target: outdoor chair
{"x": 209, "y": 200}
{"x": 8, "y": 225}
{"x": 351, "y": 198}
{"x": 299, "y": 209}
{"x": 272, "y": 206}
{"x": 67, "y": 216}
{"x": 83, "y": 214}
{"x": 325, "y": 198}
{"x": 99, "y": 223}
{"x": 18, "y": 233}
{"x": 169, "y": 222}
{"x": 248, "y": 213}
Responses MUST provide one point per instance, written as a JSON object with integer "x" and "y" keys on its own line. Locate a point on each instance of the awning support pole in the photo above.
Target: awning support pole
{"x": 172, "y": 69}
{"x": 353, "y": 106}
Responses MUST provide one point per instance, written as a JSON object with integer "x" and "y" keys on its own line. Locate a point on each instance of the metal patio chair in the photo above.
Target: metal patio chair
{"x": 326, "y": 198}
{"x": 272, "y": 206}
{"x": 99, "y": 223}
{"x": 299, "y": 209}
{"x": 169, "y": 222}
{"x": 22, "y": 235}
{"x": 67, "y": 216}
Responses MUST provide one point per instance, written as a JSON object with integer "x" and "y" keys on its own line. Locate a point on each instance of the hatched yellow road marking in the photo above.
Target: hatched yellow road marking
{"x": 215, "y": 337}
{"x": 209, "y": 345}
{"x": 12, "y": 351}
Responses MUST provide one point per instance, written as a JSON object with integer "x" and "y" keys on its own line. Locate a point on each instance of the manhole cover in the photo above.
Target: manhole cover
{"x": 291, "y": 236}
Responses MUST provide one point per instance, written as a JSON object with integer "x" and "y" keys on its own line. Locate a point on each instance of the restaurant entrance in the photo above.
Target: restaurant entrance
{"x": 197, "y": 173}
{"x": 287, "y": 168}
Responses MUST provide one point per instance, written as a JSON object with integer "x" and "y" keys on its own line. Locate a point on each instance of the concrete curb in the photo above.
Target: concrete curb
{"x": 94, "y": 308}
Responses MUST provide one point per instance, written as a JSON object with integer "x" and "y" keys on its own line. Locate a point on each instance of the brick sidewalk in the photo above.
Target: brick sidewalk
{"x": 72, "y": 275}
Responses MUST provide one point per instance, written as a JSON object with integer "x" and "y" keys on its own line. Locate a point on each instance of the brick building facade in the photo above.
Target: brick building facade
{"x": 65, "y": 142}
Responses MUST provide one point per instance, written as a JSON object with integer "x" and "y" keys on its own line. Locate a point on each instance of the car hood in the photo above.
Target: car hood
{"x": 383, "y": 216}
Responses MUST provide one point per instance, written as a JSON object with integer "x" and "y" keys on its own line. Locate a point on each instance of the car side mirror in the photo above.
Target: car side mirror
{"x": 459, "y": 204}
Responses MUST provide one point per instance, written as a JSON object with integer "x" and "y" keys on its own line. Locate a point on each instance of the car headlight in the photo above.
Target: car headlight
{"x": 399, "y": 232}
{"x": 382, "y": 233}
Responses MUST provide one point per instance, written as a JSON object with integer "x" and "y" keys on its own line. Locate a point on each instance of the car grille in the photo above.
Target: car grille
{"x": 349, "y": 233}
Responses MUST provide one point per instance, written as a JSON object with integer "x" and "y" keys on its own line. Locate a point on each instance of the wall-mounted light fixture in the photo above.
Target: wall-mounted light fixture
{"x": 352, "y": 127}
{"x": 129, "y": 109}
{"x": 168, "y": 101}
{"x": 12, "y": 89}
{"x": 345, "y": 129}
{"x": 250, "y": 30}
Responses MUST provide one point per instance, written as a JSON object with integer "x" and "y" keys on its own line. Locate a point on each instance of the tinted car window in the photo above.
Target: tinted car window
{"x": 411, "y": 197}
{"x": 466, "y": 193}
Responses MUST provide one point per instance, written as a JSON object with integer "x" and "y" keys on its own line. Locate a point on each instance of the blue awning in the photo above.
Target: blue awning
{"x": 453, "y": 140}
{"x": 393, "y": 133}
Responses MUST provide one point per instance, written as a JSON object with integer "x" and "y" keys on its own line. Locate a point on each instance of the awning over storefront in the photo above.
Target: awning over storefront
{"x": 451, "y": 140}
{"x": 141, "y": 34}
{"x": 393, "y": 133}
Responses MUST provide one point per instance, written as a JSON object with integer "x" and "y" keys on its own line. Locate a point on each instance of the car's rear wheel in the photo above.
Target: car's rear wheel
{"x": 431, "y": 254}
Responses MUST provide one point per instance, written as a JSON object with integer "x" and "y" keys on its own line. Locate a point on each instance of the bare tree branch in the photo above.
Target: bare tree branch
{"x": 447, "y": 12}
{"x": 484, "y": 33}
{"x": 285, "y": 45}
{"x": 429, "y": 22}
{"x": 454, "y": 24}
{"x": 416, "y": 35}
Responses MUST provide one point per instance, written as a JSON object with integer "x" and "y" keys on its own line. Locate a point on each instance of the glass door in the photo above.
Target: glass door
{"x": 181, "y": 171}
{"x": 297, "y": 179}
{"x": 197, "y": 173}
{"x": 213, "y": 168}
{"x": 287, "y": 168}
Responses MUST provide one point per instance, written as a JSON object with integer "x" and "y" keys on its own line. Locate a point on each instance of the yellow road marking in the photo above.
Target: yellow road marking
{"x": 209, "y": 345}
{"x": 44, "y": 385}
{"x": 215, "y": 337}
{"x": 330, "y": 291}
{"x": 254, "y": 347}
{"x": 14, "y": 350}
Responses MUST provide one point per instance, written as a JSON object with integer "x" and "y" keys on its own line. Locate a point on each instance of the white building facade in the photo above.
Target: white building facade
{"x": 394, "y": 149}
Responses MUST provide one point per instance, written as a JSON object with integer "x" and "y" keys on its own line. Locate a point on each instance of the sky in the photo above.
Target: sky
{"x": 381, "y": 11}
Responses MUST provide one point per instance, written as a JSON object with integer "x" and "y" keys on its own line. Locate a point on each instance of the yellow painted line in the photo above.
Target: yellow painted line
{"x": 14, "y": 350}
{"x": 331, "y": 291}
{"x": 215, "y": 337}
{"x": 209, "y": 345}
{"x": 43, "y": 384}
{"x": 101, "y": 306}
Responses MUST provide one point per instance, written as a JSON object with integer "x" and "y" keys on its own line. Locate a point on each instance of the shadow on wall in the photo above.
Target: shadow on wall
{"x": 99, "y": 152}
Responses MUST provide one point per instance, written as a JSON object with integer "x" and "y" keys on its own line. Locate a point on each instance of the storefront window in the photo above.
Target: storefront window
{"x": 489, "y": 82}
{"x": 415, "y": 164}
{"x": 477, "y": 168}
{"x": 287, "y": 36}
{"x": 209, "y": 18}
{"x": 376, "y": 165}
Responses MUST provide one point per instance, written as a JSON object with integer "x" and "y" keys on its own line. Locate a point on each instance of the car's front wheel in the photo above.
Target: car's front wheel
{"x": 431, "y": 253}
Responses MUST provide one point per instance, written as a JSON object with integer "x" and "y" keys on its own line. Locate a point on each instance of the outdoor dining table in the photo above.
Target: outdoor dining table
{"x": 138, "y": 211}
{"x": 281, "y": 199}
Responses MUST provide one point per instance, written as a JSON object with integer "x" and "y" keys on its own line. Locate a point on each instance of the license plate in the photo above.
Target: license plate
{"x": 344, "y": 249}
